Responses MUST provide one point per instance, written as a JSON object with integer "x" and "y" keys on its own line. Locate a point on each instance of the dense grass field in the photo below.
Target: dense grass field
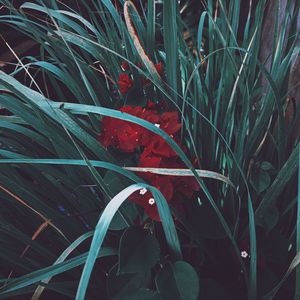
{"x": 149, "y": 150}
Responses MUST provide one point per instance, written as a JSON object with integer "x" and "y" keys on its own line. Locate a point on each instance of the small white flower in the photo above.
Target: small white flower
{"x": 157, "y": 125}
{"x": 143, "y": 191}
{"x": 151, "y": 201}
{"x": 244, "y": 254}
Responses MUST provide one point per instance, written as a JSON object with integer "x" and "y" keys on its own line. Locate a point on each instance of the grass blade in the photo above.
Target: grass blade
{"x": 171, "y": 45}
{"x": 297, "y": 288}
{"x": 105, "y": 220}
{"x": 51, "y": 271}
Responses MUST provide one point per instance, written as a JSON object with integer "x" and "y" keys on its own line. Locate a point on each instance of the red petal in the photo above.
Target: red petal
{"x": 159, "y": 68}
{"x": 169, "y": 122}
{"x": 125, "y": 65}
{"x": 125, "y": 83}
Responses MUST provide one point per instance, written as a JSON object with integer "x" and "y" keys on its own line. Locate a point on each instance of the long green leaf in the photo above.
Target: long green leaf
{"x": 51, "y": 271}
{"x": 171, "y": 45}
{"x": 285, "y": 174}
{"x": 105, "y": 220}
{"x": 61, "y": 259}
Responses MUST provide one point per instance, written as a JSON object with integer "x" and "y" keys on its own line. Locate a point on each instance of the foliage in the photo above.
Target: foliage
{"x": 60, "y": 186}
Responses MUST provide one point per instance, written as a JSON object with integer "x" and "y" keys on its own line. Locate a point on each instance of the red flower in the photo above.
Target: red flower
{"x": 125, "y": 83}
{"x": 125, "y": 65}
{"x": 159, "y": 68}
{"x": 132, "y": 110}
{"x": 145, "y": 199}
{"x": 156, "y": 153}
{"x": 169, "y": 122}
{"x": 159, "y": 147}
{"x": 148, "y": 160}
{"x": 151, "y": 105}
{"x": 108, "y": 136}
{"x": 164, "y": 184}
{"x": 149, "y": 115}
{"x": 123, "y": 135}
{"x": 143, "y": 113}
{"x": 129, "y": 137}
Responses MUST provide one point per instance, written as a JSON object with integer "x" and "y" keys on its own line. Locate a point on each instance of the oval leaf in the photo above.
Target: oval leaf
{"x": 120, "y": 287}
{"x": 261, "y": 181}
{"x": 138, "y": 252}
{"x": 178, "y": 281}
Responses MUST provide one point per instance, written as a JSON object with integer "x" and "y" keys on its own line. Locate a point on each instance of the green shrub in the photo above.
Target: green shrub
{"x": 60, "y": 187}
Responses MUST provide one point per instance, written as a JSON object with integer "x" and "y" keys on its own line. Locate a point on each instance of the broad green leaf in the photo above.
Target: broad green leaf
{"x": 178, "y": 281}
{"x": 143, "y": 294}
{"x": 138, "y": 251}
{"x": 266, "y": 166}
{"x": 271, "y": 217}
{"x": 122, "y": 286}
{"x": 260, "y": 181}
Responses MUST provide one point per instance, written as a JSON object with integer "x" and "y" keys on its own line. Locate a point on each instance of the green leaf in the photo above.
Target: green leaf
{"x": 178, "y": 281}
{"x": 266, "y": 166}
{"x": 57, "y": 112}
{"x": 150, "y": 42}
{"x": 171, "y": 44}
{"x": 105, "y": 220}
{"x": 284, "y": 175}
{"x": 294, "y": 264}
{"x": 61, "y": 259}
{"x": 121, "y": 286}
{"x": 51, "y": 271}
{"x": 182, "y": 172}
{"x": 260, "y": 181}
{"x": 115, "y": 185}
{"x": 143, "y": 294}
{"x": 297, "y": 289}
{"x": 271, "y": 217}
{"x": 139, "y": 251}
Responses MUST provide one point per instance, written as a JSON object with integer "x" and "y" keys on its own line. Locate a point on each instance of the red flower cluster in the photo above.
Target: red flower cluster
{"x": 125, "y": 81}
{"x": 154, "y": 153}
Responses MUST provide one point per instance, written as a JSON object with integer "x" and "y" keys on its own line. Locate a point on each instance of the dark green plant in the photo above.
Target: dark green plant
{"x": 59, "y": 187}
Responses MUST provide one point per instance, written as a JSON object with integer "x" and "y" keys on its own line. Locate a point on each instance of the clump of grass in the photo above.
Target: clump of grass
{"x": 60, "y": 187}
